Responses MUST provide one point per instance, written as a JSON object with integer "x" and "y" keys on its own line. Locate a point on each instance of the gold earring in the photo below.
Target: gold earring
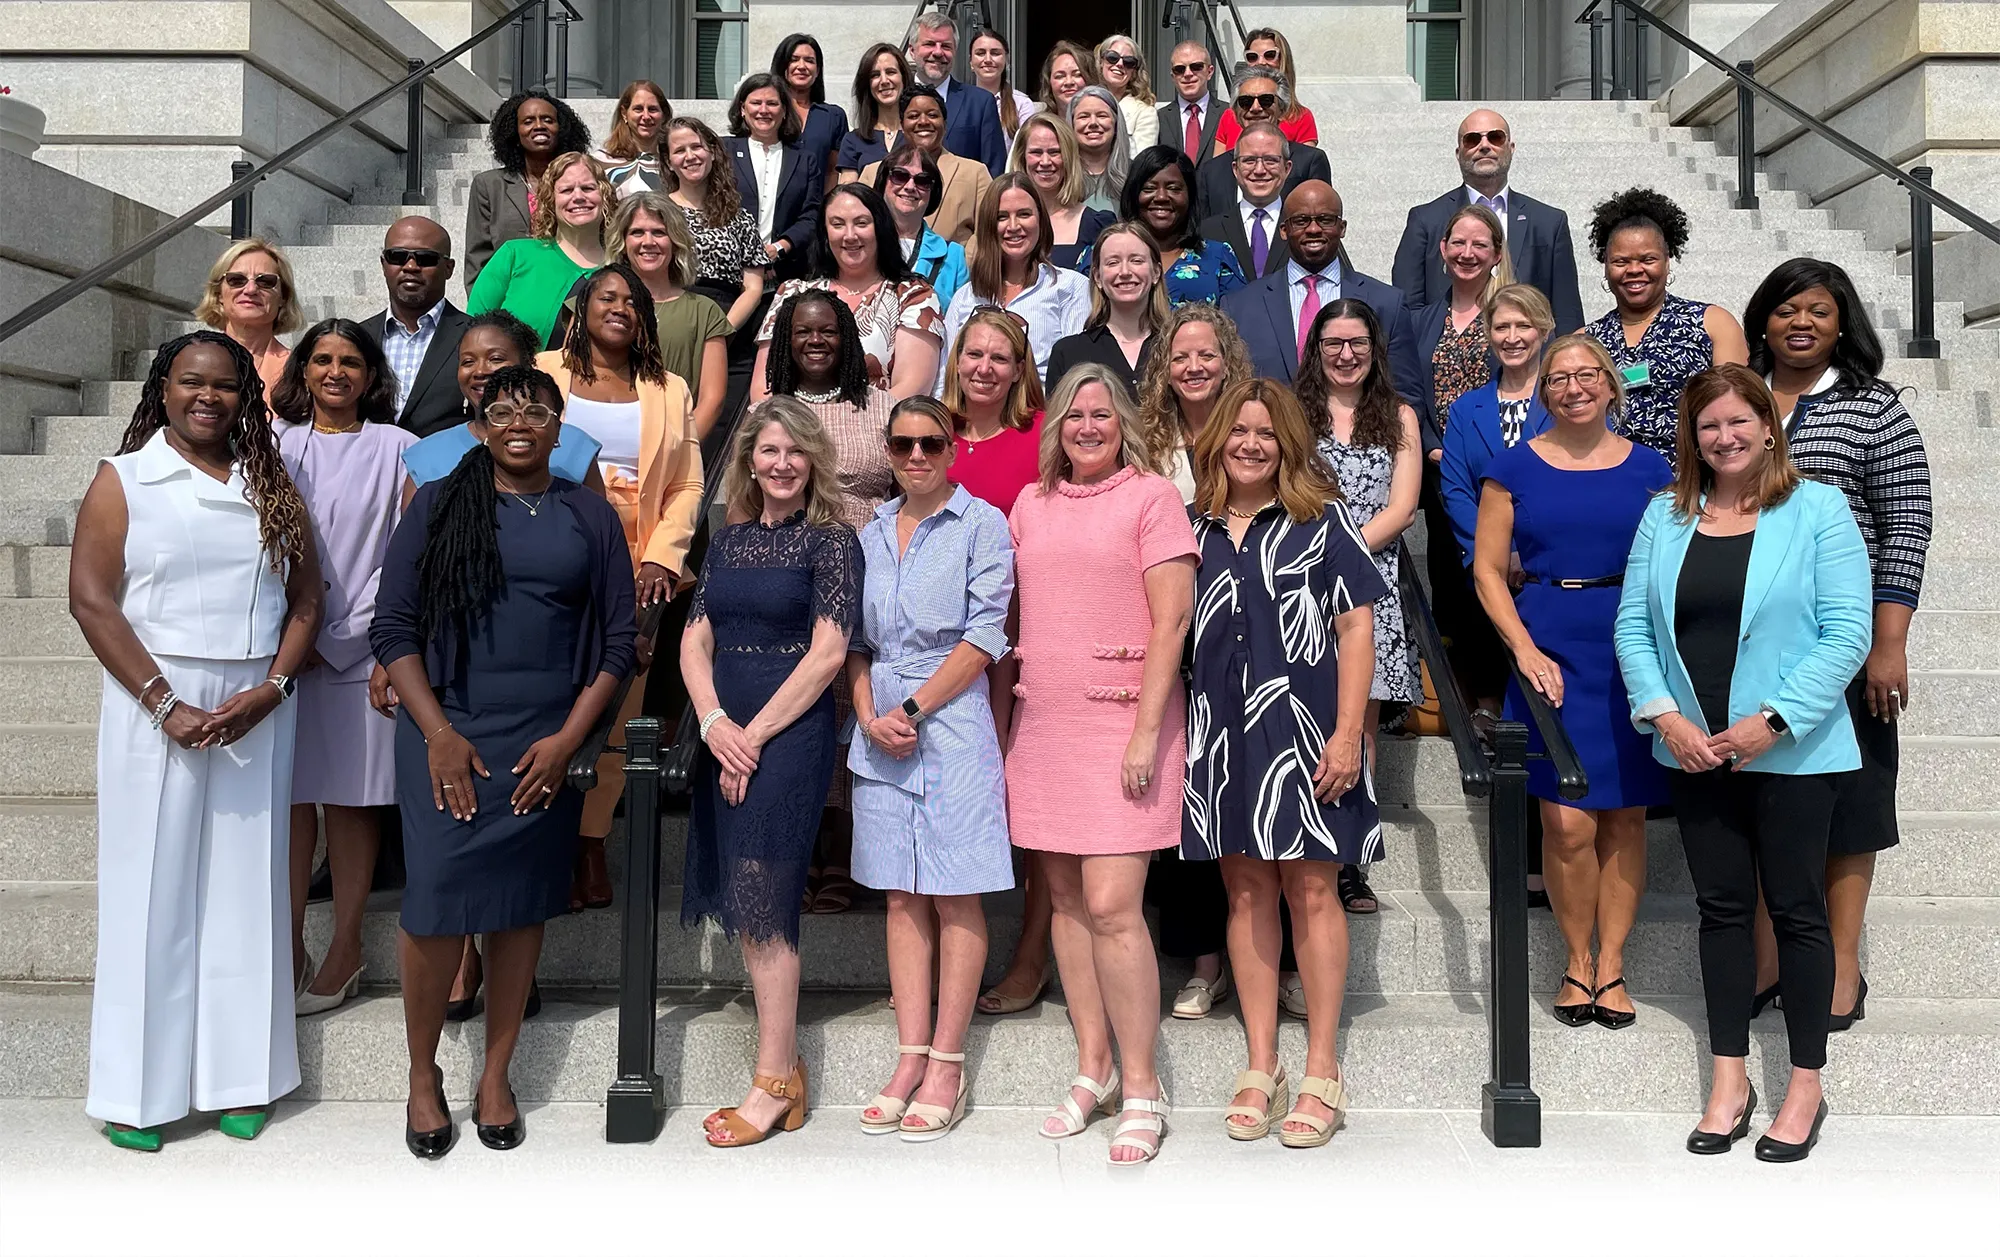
{"x": 1770, "y": 442}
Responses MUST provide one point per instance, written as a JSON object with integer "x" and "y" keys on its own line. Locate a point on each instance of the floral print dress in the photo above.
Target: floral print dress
{"x": 1364, "y": 473}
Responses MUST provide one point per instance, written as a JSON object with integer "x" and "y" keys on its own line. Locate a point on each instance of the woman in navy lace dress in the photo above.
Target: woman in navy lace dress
{"x": 778, "y": 599}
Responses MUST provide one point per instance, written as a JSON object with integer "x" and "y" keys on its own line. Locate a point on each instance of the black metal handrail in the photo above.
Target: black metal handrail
{"x": 635, "y": 1104}
{"x": 243, "y": 180}
{"x": 1474, "y": 771}
{"x": 1571, "y": 781}
{"x": 1924, "y": 199}
{"x": 583, "y": 765}
{"x": 1178, "y": 16}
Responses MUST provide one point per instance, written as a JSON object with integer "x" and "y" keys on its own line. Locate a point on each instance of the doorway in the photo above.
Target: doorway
{"x": 1084, "y": 22}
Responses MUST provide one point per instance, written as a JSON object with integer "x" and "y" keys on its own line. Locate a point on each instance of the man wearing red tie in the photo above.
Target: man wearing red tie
{"x": 1188, "y": 121}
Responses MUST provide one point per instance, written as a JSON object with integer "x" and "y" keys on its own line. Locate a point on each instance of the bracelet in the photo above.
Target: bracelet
{"x": 433, "y": 733}
{"x": 140, "y": 693}
{"x": 165, "y": 708}
{"x": 708, "y": 722}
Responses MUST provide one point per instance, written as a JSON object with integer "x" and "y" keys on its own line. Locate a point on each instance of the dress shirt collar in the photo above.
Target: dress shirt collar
{"x": 956, "y": 504}
{"x": 1296, "y": 274}
{"x": 159, "y": 461}
{"x": 427, "y": 324}
{"x": 1504, "y": 196}
{"x": 1244, "y": 209}
{"x": 1203, "y": 102}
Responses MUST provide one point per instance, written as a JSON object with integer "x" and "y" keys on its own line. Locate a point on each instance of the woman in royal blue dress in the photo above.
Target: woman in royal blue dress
{"x": 778, "y": 600}
{"x": 1569, "y": 502}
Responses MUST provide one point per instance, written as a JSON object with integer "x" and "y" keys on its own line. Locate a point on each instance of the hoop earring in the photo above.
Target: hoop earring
{"x": 1770, "y": 442}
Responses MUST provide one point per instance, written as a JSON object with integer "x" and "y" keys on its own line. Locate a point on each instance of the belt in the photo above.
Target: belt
{"x": 1594, "y": 582}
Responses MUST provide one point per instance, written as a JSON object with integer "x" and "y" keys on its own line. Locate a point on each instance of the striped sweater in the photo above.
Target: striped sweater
{"x": 1862, "y": 442}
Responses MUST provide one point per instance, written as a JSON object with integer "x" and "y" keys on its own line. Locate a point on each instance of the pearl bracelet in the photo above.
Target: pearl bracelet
{"x": 708, "y": 722}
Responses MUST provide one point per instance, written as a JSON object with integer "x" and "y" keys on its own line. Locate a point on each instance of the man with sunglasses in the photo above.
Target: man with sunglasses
{"x": 420, "y": 330}
{"x": 971, "y": 114}
{"x": 1537, "y": 234}
{"x": 1188, "y": 121}
{"x": 1261, "y": 96}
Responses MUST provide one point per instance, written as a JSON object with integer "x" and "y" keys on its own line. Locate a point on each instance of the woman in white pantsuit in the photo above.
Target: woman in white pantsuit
{"x": 194, "y": 580}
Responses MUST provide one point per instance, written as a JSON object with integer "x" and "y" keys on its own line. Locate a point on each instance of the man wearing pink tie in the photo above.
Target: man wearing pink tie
{"x": 1188, "y": 121}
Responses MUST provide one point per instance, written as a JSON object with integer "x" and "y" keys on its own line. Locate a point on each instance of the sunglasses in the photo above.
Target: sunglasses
{"x": 989, "y": 308}
{"x": 1120, "y": 59}
{"x": 424, "y": 258}
{"x": 1184, "y": 68}
{"x": 1269, "y": 54}
{"x": 932, "y": 446}
{"x": 1471, "y": 139}
{"x": 501, "y": 414}
{"x": 898, "y": 177}
{"x": 265, "y": 282}
{"x": 1261, "y": 100}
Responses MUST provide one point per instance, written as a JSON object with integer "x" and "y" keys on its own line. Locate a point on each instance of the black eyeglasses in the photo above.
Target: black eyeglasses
{"x": 1120, "y": 59}
{"x": 425, "y": 258}
{"x": 1359, "y": 346}
{"x": 1259, "y": 100}
{"x": 1325, "y": 222}
{"x": 1184, "y": 68}
{"x": 932, "y": 446}
{"x": 898, "y": 177}
{"x": 535, "y": 415}
{"x": 265, "y": 282}
{"x": 1471, "y": 139}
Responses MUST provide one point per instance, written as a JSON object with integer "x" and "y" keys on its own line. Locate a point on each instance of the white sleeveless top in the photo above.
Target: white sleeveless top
{"x": 197, "y": 581}
{"x": 615, "y": 426}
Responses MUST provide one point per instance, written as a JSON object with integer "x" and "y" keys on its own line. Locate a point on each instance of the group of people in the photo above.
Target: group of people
{"x": 1082, "y": 581}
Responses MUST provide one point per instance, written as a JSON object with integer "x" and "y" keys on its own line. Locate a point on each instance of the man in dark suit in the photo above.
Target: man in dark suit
{"x": 1537, "y": 235}
{"x": 971, "y": 115}
{"x": 1249, "y": 224}
{"x": 420, "y": 330}
{"x": 1259, "y": 98}
{"x": 1276, "y": 311}
{"x": 1193, "y": 112}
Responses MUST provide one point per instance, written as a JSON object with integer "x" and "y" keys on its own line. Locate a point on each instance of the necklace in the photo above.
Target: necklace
{"x": 817, "y": 399}
{"x": 534, "y": 507}
{"x": 322, "y": 428}
{"x": 1236, "y": 514}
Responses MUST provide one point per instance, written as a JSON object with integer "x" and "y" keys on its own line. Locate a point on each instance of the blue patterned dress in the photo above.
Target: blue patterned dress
{"x": 1264, "y": 698}
{"x": 935, "y": 821}
{"x": 1208, "y": 273}
{"x": 1675, "y": 348}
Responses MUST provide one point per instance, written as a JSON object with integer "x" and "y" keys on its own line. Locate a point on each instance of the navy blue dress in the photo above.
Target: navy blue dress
{"x": 762, "y": 590}
{"x": 1579, "y": 525}
{"x": 1673, "y": 350}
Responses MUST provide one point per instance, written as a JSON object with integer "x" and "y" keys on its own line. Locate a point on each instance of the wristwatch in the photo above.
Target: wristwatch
{"x": 1773, "y": 719}
{"x": 914, "y": 712}
{"x": 286, "y": 685}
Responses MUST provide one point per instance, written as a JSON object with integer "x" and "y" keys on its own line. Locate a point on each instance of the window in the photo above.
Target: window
{"x": 1436, "y": 34}
{"x": 719, "y": 47}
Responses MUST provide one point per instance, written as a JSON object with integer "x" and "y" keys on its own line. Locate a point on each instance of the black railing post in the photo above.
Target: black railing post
{"x": 1746, "y": 139}
{"x": 1620, "y": 85}
{"x": 562, "y": 52}
{"x": 413, "y": 143}
{"x": 520, "y": 26}
{"x": 1510, "y": 1111}
{"x": 1923, "y": 278}
{"x": 636, "y": 1102}
{"x": 1641, "y": 84}
{"x": 242, "y": 221}
{"x": 1596, "y": 55}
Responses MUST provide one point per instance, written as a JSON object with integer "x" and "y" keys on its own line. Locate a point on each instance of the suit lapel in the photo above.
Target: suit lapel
{"x": 442, "y": 349}
{"x": 1278, "y": 308}
{"x": 517, "y": 192}
{"x": 746, "y": 175}
{"x": 1670, "y": 549}
{"x": 1768, "y": 551}
{"x": 788, "y": 166}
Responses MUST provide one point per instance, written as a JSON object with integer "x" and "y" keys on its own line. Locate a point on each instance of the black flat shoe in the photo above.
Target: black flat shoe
{"x": 1837, "y": 1023}
{"x": 1769, "y": 1149}
{"x": 504, "y": 1135}
{"x": 1576, "y": 1014}
{"x": 1539, "y": 899}
{"x": 430, "y": 1144}
{"x": 1611, "y": 1018}
{"x": 1765, "y": 998}
{"x": 1707, "y": 1143}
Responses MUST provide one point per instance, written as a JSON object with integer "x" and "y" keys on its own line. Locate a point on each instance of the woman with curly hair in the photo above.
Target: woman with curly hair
{"x": 530, "y": 277}
{"x": 1657, "y": 341}
{"x": 634, "y": 156}
{"x": 194, "y": 579}
{"x": 1197, "y": 353}
{"x": 529, "y": 131}
{"x": 343, "y": 450}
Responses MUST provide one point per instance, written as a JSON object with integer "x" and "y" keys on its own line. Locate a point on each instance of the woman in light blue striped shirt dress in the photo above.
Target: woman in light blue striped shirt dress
{"x": 930, "y": 801}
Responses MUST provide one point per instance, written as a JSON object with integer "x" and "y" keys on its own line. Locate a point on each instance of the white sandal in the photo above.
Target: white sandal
{"x": 1075, "y": 1119}
{"x": 1154, "y": 1122}
{"x": 891, "y": 1108}
{"x": 935, "y": 1121}
{"x": 1276, "y": 1092}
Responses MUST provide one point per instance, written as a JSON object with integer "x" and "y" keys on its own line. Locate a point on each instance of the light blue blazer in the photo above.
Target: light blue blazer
{"x": 1807, "y": 625}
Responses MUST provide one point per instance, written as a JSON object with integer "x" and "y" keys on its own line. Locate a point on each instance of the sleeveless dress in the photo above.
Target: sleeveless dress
{"x": 1363, "y": 473}
{"x": 1579, "y": 525}
{"x": 1675, "y": 348}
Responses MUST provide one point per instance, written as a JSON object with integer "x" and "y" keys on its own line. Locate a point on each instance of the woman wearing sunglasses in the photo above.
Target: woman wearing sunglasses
{"x": 1267, "y": 49}
{"x": 1123, "y": 73}
{"x": 1011, "y": 270}
{"x": 964, "y": 181}
{"x": 251, "y": 298}
{"x": 930, "y": 806}
{"x": 911, "y": 185}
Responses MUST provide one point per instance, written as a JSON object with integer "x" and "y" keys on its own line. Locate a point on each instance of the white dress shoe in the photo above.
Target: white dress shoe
{"x": 1200, "y": 995}
{"x": 1292, "y": 995}
{"x": 308, "y": 1003}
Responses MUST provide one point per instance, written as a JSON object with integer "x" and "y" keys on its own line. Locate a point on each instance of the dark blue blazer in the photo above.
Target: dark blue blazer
{"x": 801, "y": 188}
{"x": 1537, "y": 241}
{"x": 1471, "y": 439}
{"x": 972, "y": 125}
{"x": 1263, "y": 314}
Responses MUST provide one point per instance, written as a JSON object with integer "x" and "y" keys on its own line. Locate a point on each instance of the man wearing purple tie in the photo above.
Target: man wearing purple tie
{"x": 1250, "y": 226}
{"x": 1538, "y": 239}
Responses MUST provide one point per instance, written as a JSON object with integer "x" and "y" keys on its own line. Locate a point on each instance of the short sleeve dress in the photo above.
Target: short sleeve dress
{"x": 1080, "y": 554}
{"x": 880, "y": 311}
{"x": 1674, "y": 349}
{"x": 763, "y": 590}
{"x": 1265, "y": 697}
{"x": 1579, "y": 525}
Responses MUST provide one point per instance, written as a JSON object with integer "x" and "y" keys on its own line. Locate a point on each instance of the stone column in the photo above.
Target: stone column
{"x": 587, "y": 40}
{"x": 1359, "y": 47}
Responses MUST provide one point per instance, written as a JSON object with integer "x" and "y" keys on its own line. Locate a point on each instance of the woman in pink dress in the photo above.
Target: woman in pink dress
{"x": 1106, "y": 560}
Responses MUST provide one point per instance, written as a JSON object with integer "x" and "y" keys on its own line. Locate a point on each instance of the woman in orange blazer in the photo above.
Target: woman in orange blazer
{"x": 642, "y": 417}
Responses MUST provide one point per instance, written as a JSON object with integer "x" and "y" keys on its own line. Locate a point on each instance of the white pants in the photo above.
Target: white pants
{"x": 193, "y": 1004}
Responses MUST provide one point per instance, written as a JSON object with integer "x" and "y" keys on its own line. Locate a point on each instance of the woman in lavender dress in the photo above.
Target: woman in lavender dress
{"x": 341, "y": 445}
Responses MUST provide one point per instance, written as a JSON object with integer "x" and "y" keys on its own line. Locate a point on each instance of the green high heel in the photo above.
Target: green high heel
{"x": 146, "y": 1139}
{"x": 244, "y": 1125}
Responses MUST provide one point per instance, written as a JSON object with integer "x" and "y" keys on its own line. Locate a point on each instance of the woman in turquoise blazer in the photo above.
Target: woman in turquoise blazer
{"x": 1746, "y": 612}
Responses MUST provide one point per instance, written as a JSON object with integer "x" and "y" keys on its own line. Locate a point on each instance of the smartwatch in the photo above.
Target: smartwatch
{"x": 1773, "y": 719}
{"x": 286, "y": 685}
{"x": 914, "y": 712}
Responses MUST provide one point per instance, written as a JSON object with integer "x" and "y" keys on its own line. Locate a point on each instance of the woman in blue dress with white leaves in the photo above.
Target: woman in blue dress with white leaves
{"x": 930, "y": 801}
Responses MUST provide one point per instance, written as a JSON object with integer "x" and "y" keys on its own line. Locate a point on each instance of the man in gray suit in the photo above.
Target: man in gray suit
{"x": 1193, "y": 112}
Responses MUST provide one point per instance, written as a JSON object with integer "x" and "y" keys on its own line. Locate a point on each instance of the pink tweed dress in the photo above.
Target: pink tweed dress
{"x": 1080, "y": 559}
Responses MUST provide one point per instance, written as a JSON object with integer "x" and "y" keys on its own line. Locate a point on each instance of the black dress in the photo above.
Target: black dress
{"x": 763, "y": 589}
{"x": 1095, "y": 344}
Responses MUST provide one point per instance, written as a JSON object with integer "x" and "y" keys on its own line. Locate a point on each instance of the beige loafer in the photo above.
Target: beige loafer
{"x": 1200, "y": 995}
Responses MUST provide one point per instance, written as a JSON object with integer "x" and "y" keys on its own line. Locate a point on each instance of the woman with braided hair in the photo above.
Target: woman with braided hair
{"x": 194, "y": 579}
{"x": 616, "y": 388}
{"x": 505, "y": 621}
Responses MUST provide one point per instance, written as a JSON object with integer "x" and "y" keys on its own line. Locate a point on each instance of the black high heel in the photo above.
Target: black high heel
{"x": 1704, "y": 1143}
{"x": 430, "y": 1144}
{"x": 1769, "y": 1149}
{"x": 1576, "y": 1014}
{"x": 504, "y": 1135}
{"x": 1837, "y": 1023}
{"x": 468, "y": 1008}
{"x": 534, "y": 1004}
{"x": 1611, "y": 1018}
{"x": 1764, "y": 999}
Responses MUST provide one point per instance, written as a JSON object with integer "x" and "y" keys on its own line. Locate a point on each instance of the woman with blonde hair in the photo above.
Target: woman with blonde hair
{"x": 529, "y": 277}
{"x": 1045, "y": 149}
{"x": 1066, "y": 70}
{"x": 1011, "y": 269}
{"x": 1122, "y": 71}
{"x": 634, "y": 155}
{"x": 251, "y": 298}
{"x": 649, "y": 233}
{"x": 779, "y": 599}
{"x": 1200, "y": 354}
{"x": 1128, "y": 307}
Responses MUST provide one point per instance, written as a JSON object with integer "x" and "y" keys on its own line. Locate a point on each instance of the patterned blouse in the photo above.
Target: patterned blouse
{"x": 1208, "y": 273}
{"x": 881, "y": 311}
{"x": 1674, "y": 349}
{"x": 724, "y": 251}
{"x": 860, "y": 460}
{"x": 1459, "y": 364}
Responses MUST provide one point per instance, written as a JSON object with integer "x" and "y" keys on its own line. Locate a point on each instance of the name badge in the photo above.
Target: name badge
{"x": 1638, "y": 374}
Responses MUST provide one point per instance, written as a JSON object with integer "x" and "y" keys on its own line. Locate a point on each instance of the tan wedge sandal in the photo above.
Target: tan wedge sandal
{"x": 926, "y": 1122}
{"x": 889, "y": 1107}
{"x": 1276, "y": 1092}
{"x": 1332, "y": 1092}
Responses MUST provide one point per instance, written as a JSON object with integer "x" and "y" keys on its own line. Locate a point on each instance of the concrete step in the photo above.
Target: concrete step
{"x": 1957, "y": 582}
{"x": 1913, "y": 1057}
{"x": 1954, "y": 701}
{"x": 43, "y": 627}
{"x": 34, "y": 572}
{"x": 51, "y": 689}
{"x": 1954, "y": 639}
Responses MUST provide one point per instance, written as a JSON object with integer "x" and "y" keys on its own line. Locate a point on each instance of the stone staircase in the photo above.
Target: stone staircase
{"x": 1416, "y": 1031}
